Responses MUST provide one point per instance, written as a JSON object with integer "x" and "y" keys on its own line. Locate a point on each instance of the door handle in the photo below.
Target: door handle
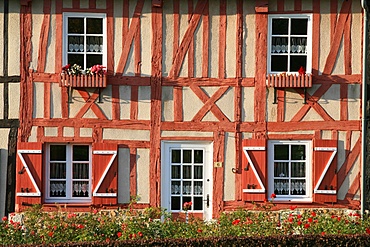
{"x": 207, "y": 200}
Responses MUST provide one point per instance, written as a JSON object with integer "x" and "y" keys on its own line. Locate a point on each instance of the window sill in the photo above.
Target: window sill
{"x": 99, "y": 81}
{"x": 293, "y": 200}
{"x": 289, "y": 81}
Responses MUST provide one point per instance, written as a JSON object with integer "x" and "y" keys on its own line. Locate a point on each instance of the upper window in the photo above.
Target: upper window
{"x": 289, "y": 43}
{"x": 289, "y": 170}
{"x": 84, "y": 39}
{"x": 68, "y": 173}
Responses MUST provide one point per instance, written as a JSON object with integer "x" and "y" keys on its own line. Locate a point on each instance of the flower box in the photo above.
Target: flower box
{"x": 290, "y": 81}
{"x": 81, "y": 80}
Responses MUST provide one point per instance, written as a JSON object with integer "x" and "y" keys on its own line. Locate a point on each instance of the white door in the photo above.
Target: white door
{"x": 187, "y": 177}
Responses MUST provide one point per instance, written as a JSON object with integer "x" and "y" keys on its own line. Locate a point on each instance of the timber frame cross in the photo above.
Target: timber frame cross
{"x": 90, "y": 103}
{"x": 209, "y": 103}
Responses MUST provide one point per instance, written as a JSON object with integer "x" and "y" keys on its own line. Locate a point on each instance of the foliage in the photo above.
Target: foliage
{"x": 156, "y": 227}
{"x": 77, "y": 70}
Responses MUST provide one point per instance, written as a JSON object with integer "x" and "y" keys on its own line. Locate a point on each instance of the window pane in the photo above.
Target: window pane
{"x": 186, "y": 172}
{"x": 279, "y": 63}
{"x": 94, "y": 44}
{"x": 57, "y": 189}
{"x": 198, "y": 203}
{"x": 186, "y": 199}
{"x": 175, "y": 187}
{"x": 80, "y": 153}
{"x": 175, "y": 156}
{"x": 296, "y": 62}
{"x": 280, "y": 26}
{"x": 198, "y": 188}
{"x": 57, "y": 152}
{"x": 80, "y": 171}
{"x": 299, "y": 26}
{"x": 80, "y": 189}
{"x": 75, "y": 44}
{"x": 175, "y": 172}
{"x": 298, "y": 169}
{"x": 94, "y": 26}
{"x": 281, "y": 186}
{"x": 281, "y": 169}
{"x": 93, "y": 59}
{"x": 299, "y": 186}
{"x": 186, "y": 156}
{"x": 281, "y": 152}
{"x": 198, "y": 156}
{"x": 298, "y": 152}
{"x": 198, "y": 172}
{"x": 175, "y": 203}
{"x": 186, "y": 189}
{"x": 75, "y": 25}
{"x": 57, "y": 170}
{"x": 76, "y": 59}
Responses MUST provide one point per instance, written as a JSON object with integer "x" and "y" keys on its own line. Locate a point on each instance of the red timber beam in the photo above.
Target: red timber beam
{"x": 315, "y": 36}
{"x": 43, "y": 41}
{"x": 156, "y": 96}
{"x": 188, "y": 37}
{"x": 237, "y": 99}
{"x": 26, "y": 87}
{"x": 261, "y": 62}
{"x": 218, "y": 173}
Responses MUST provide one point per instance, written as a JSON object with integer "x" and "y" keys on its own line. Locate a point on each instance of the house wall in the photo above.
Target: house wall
{"x": 224, "y": 64}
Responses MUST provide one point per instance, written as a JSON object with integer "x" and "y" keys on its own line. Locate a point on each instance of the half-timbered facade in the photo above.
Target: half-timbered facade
{"x": 222, "y": 103}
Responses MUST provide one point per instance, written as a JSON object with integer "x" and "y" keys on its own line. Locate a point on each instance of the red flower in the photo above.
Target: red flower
{"x": 140, "y": 234}
{"x": 66, "y": 67}
{"x": 367, "y": 230}
{"x": 338, "y": 218}
{"x": 119, "y": 234}
{"x": 51, "y": 234}
{"x": 299, "y": 223}
{"x": 235, "y": 222}
{"x": 80, "y": 226}
{"x": 290, "y": 219}
{"x": 299, "y": 216}
{"x": 301, "y": 71}
{"x": 333, "y": 216}
{"x": 306, "y": 225}
{"x": 310, "y": 220}
{"x": 199, "y": 230}
{"x": 293, "y": 207}
{"x": 313, "y": 214}
{"x": 323, "y": 233}
{"x": 5, "y": 218}
{"x": 273, "y": 195}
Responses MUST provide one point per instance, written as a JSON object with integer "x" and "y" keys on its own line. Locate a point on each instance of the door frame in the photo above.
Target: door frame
{"x": 208, "y": 173}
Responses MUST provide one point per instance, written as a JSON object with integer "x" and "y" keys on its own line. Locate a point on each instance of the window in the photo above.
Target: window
{"x": 289, "y": 43}
{"x": 68, "y": 171}
{"x": 289, "y": 170}
{"x": 84, "y": 39}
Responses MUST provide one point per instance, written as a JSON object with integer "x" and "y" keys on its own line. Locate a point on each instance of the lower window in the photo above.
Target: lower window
{"x": 68, "y": 173}
{"x": 289, "y": 169}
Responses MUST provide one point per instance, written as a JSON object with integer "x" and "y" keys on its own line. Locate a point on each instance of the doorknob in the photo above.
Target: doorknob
{"x": 207, "y": 200}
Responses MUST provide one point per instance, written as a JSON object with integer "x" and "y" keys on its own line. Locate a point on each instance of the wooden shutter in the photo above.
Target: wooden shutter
{"x": 29, "y": 173}
{"x": 324, "y": 170}
{"x": 104, "y": 171}
{"x": 254, "y": 170}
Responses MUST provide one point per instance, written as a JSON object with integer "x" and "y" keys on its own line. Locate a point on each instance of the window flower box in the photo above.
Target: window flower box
{"x": 289, "y": 81}
{"x": 81, "y": 80}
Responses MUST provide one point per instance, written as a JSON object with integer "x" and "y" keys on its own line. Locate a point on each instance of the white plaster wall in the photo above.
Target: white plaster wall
{"x": 230, "y": 63}
{"x": 14, "y": 99}
{"x": 289, "y": 5}
{"x": 307, "y": 5}
{"x": 167, "y": 37}
{"x": 330, "y": 101}
{"x": 209, "y": 116}
{"x": 68, "y": 131}
{"x": 84, "y": 3}
{"x": 356, "y": 39}
{"x": 123, "y": 175}
{"x": 167, "y": 104}
{"x": 143, "y": 178}
{"x": 56, "y": 101}
{"x": 324, "y": 33}
{"x": 14, "y": 40}
{"x": 271, "y": 107}
{"x": 1, "y": 39}
{"x": 67, "y": 3}
{"x": 51, "y": 131}
{"x": 85, "y": 132}
{"x": 192, "y": 104}
{"x": 226, "y": 103}
{"x": 354, "y": 102}
{"x": 214, "y": 13}
{"x": 101, "y": 4}
{"x": 38, "y": 101}
{"x": 125, "y": 134}
{"x": 247, "y": 104}
{"x": 37, "y": 18}
{"x": 249, "y": 27}
{"x": 117, "y": 34}
{"x": 124, "y": 101}
{"x": 183, "y": 27}
{"x": 4, "y": 133}
{"x": 146, "y": 40}
{"x": 272, "y": 5}
{"x": 186, "y": 134}
{"x": 50, "y": 54}
{"x": 229, "y": 184}
{"x": 144, "y": 96}
{"x": 1, "y": 100}
{"x": 33, "y": 136}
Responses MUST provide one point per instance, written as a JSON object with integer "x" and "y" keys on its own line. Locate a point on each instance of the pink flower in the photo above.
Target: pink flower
{"x": 5, "y": 218}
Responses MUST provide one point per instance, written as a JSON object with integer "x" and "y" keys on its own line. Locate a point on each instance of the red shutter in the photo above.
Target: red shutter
{"x": 104, "y": 171}
{"x": 324, "y": 171}
{"x": 254, "y": 170}
{"x": 29, "y": 173}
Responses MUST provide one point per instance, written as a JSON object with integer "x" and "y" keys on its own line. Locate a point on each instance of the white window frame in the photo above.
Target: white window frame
{"x": 66, "y": 15}
{"x": 69, "y": 176}
{"x": 309, "y": 41}
{"x": 308, "y": 171}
